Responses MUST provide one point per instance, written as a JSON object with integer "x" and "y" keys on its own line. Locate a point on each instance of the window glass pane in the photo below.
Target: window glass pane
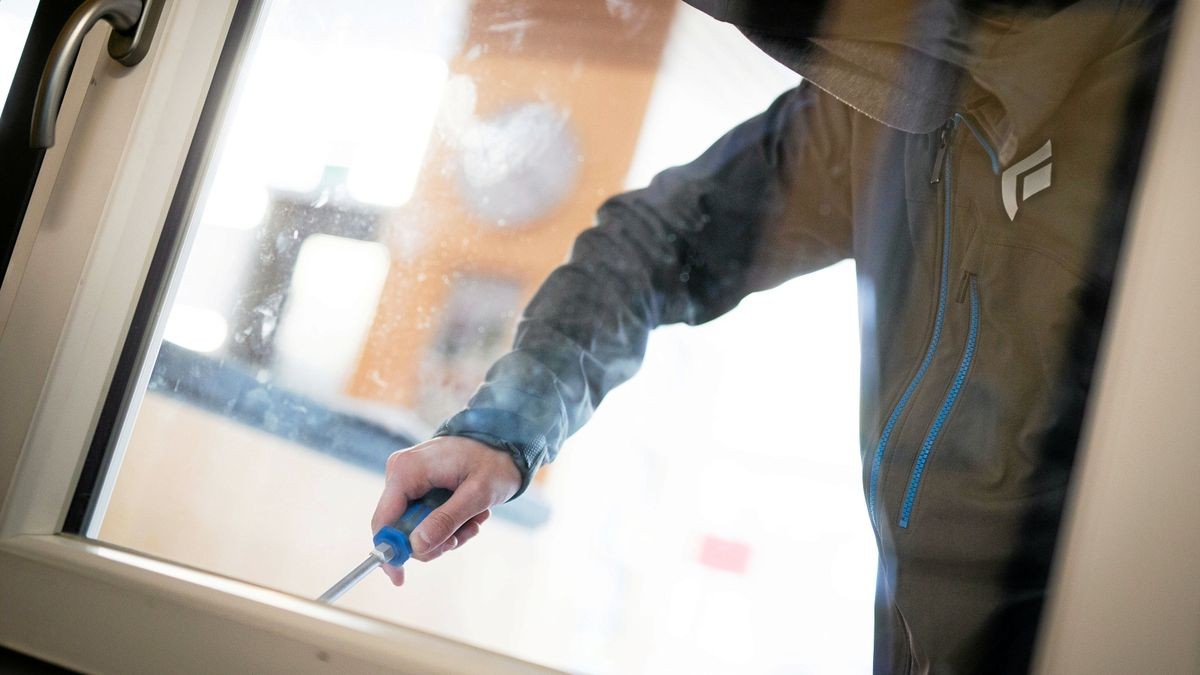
{"x": 916, "y": 242}
{"x": 15, "y": 18}
{"x": 393, "y": 183}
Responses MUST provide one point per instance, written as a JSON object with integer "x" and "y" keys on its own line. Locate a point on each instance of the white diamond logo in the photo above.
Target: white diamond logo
{"x": 1032, "y": 174}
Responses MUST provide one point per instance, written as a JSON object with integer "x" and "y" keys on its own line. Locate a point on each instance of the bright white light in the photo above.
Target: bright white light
{"x": 331, "y": 304}
{"x": 752, "y": 437}
{"x": 280, "y": 123}
{"x": 394, "y": 125}
{"x": 702, "y": 56}
{"x": 15, "y": 19}
{"x": 196, "y": 328}
{"x": 371, "y": 109}
{"x": 236, "y": 201}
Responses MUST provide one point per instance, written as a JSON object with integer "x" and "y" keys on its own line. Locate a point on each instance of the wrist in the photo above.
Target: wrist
{"x": 504, "y": 432}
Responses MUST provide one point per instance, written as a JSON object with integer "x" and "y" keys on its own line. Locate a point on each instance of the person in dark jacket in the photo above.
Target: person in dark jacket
{"x": 976, "y": 160}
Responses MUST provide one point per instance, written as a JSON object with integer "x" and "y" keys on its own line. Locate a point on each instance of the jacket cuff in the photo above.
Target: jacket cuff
{"x": 504, "y": 431}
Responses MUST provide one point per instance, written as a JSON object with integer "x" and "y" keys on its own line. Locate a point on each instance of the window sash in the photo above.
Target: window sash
{"x": 89, "y": 245}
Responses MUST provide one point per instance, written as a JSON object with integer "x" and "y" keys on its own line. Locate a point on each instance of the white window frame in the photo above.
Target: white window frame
{"x": 82, "y": 257}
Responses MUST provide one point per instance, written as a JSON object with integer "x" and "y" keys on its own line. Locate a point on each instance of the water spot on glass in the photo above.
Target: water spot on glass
{"x": 629, "y": 13}
{"x": 620, "y": 9}
{"x": 513, "y": 30}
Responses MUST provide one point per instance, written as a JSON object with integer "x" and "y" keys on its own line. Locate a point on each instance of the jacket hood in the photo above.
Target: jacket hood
{"x": 911, "y": 64}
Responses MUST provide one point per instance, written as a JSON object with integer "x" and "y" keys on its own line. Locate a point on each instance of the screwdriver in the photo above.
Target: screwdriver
{"x": 391, "y": 543}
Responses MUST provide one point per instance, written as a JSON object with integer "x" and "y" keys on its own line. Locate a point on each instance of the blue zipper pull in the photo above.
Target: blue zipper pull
{"x": 972, "y": 262}
{"x": 939, "y": 161}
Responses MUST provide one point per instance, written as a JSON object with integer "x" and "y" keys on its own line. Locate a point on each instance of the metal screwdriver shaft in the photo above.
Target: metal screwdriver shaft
{"x": 391, "y": 543}
{"x": 379, "y": 555}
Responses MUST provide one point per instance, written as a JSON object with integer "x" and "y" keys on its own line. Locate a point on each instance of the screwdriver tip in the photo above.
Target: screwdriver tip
{"x": 379, "y": 555}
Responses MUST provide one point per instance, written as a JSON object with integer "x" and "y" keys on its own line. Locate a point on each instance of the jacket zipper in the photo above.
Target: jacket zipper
{"x": 968, "y": 287}
{"x": 939, "y": 160}
{"x": 941, "y": 169}
{"x": 914, "y": 483}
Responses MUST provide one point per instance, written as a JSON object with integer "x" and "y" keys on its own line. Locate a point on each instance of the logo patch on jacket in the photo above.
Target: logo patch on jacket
{"x": 1032, "y": 174}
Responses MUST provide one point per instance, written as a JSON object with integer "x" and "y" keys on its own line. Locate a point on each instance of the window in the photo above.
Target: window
{"x": 391, "y": 185}
{"x": 244, "y": 330}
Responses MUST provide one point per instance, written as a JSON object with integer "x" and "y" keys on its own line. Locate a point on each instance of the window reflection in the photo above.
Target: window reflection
{"x": 393, "y": 183}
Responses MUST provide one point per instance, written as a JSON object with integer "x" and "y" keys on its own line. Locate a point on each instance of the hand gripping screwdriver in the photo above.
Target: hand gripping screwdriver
{"x": 391, "y": 543}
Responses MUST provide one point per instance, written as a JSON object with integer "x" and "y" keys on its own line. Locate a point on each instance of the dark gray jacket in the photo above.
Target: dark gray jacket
{"x": 983, "y": 202}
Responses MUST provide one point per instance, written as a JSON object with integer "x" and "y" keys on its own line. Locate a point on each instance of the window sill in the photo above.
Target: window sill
{"x": 96, "y": 608}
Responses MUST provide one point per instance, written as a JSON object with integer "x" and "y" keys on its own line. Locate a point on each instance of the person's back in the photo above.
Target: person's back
{"x": 975, "y": 162}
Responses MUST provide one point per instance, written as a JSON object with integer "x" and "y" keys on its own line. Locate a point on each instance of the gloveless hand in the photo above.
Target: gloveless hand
{"x": 480, "y": 477}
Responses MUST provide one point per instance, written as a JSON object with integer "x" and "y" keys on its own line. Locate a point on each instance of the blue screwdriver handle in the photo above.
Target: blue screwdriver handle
{"x": 396, "y": 535}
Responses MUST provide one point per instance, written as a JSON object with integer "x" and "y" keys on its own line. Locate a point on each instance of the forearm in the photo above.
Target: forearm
{"x": 686, "y": 249}
{"x": 584, "y": 332}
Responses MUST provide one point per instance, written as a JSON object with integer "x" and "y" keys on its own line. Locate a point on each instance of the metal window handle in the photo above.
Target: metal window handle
{"x": 133, "y": 23}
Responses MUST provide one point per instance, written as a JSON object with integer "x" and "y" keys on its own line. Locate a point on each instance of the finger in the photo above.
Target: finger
{"x": 462, "y": 536}
{"x": 391, "y": 504}
{"x": 469, "y": 529}
{"x": 466, "y": 533}
{"x": 396, "y": 574}
{"x": 449, "y": 545}
{"x": 407, "y": 479}
{"x": 469, "y": 500}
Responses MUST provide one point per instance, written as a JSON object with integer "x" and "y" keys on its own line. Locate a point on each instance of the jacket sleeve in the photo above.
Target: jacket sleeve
{"x": 768, "y": 201}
